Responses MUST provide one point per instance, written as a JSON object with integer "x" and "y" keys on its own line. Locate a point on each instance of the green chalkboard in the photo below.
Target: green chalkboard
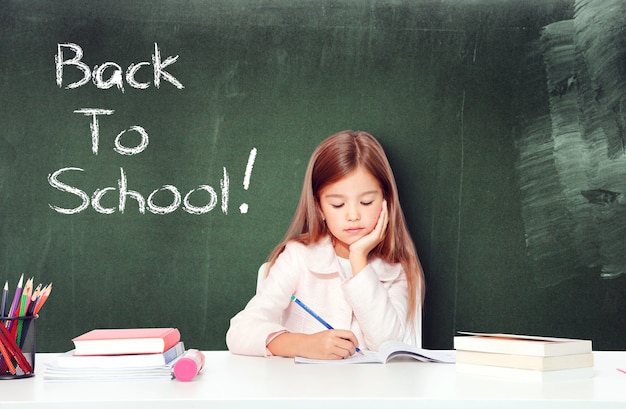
{"x": 152, "y": 152}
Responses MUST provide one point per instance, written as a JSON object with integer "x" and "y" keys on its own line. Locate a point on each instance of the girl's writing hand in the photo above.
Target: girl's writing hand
{"x": 360, "y": 249}
{"x": 330, "y": 344}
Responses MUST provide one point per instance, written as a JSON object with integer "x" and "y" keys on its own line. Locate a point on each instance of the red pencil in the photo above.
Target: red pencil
{"x": 6, "y": 361}
{"x": 9, "y": 342}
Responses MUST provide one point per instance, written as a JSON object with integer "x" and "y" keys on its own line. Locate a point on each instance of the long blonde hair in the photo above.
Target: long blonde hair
{"x": 334, "y": 158}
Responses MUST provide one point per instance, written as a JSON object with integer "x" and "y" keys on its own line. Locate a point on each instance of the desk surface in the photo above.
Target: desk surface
{"x": 231, "y": 381}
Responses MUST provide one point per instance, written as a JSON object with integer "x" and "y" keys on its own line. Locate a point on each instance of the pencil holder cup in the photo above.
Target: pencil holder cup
{"x": 17, "y": 347}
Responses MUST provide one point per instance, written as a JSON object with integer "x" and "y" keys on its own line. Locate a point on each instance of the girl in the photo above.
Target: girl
{"x": 347, "y": 255}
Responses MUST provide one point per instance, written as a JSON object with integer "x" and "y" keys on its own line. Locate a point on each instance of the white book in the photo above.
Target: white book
{"x": 524, "y": 374}
{"x": 521, "y": 344}
{"x": 537, "y": 363}
{"x": 52, "y": 374}
{"x": 71, "y": 361}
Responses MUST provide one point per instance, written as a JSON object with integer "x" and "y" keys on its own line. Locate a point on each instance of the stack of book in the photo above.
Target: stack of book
{"x": 523, "y": 357}
{"x": 118, "y": 355}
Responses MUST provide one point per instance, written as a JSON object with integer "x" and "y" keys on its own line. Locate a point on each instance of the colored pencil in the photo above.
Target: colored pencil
{"x": 27, "y": 301}
{"x": 45, "y": 293}
{"x": 33, "y": 300}
{"x": 30, "y": 313}
{"x": 6, "y": 359}
{"x": 26, "y": 294}
{"x": 9, "y": 342}
{"x": 14, "y": 304}
{"x": 5, "y": 292}
{"x": 16, "y": 297}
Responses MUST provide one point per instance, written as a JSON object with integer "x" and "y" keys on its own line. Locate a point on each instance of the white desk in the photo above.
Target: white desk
{"x": 231, "y": 381}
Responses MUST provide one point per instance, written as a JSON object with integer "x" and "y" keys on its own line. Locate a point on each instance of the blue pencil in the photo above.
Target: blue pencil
{"x": 5, "y": 291}
{"x": 314, "y": 315}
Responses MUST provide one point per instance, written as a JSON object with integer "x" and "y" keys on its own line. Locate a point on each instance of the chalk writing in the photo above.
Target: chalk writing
{"x": 97, "y": 75}
{"x": 143, "y": 204}
{"x": 95, "y": 200}
{"x": 119, "y": 148}
{"x": 246, "y": 180}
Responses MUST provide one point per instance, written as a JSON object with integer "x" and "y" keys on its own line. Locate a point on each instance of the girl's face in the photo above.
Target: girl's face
{"x": 351, "y": 207}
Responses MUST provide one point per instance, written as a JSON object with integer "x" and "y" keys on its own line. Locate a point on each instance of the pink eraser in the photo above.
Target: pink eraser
{"x": 185, "y": 369}
{"x": 188, "y": 365}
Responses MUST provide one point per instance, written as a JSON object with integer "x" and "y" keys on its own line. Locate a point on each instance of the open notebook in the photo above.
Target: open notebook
{"x": 388, "y": 351}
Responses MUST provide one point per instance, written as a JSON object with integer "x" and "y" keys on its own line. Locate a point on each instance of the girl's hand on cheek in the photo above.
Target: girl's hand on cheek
{"x": 360, "y": 249}
{"x": 366, "y": 243}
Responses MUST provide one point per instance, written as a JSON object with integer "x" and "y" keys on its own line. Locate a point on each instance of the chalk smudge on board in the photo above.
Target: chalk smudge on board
{"x": 572, "y": 163}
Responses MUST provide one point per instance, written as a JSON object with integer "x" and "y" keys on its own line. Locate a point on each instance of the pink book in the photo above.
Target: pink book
{"x": 126, "y": 341}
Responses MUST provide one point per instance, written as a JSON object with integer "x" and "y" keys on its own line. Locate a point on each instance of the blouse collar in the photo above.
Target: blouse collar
{"x": 322, "y": 259}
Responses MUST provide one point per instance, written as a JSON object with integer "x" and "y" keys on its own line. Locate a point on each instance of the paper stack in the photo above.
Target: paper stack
{"x": 118, "y": 355}
{"x": 523, "y": 357}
